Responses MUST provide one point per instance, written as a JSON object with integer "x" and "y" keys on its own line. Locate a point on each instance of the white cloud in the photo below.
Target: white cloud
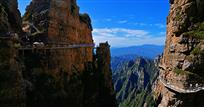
{"x": 114, "y": 32}
{"x": 140, "y": 24}
{"x": 158, "y": 25}
{"x": 121, "y": 37}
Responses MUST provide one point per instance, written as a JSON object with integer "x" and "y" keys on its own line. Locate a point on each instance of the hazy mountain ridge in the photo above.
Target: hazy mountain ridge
{"x": 148, "y": 51}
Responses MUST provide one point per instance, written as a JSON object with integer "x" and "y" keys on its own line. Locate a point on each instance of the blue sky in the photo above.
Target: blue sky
{"x": 124, "y": 22}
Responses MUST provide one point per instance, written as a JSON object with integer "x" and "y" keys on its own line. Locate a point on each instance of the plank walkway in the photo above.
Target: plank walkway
{"x": 57, "y": 47}
{"x": 191, "y": 89}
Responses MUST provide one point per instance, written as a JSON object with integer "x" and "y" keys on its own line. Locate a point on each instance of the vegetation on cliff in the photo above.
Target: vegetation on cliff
{"x": 133, "y": 80}
{"x": 197, "y": 31}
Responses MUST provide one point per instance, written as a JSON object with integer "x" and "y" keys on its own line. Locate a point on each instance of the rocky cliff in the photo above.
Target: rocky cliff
{"x": 11, "y": 82}
{"x": 59, "y": 22}
{"x": 47, "y": 59}
{"x": 180, "y": 82}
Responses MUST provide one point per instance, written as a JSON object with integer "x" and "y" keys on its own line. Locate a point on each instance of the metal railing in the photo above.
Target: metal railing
{"x": 57, "y": 46}
{"x": 51, "y": 45}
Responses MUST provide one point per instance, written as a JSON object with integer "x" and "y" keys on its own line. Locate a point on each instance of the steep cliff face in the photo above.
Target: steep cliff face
{"x": 61, "y": 71}
{"x": 52, "y": 74}
{"x": 181, "y": 68}
{"x": 104, "y": 95}
{"x": 60, "y": 22}
{"x": 10, "y": 16}
{"x": 11, "y": 82}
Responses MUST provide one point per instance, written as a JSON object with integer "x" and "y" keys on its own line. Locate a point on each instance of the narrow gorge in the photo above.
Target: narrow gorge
{"x": 48, "y": 55}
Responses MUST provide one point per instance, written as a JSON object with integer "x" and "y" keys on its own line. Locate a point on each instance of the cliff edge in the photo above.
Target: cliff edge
{"x": 180, "y": 82}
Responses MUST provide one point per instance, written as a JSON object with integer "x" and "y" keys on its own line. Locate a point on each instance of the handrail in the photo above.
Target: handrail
{"x": 55, "y": 47}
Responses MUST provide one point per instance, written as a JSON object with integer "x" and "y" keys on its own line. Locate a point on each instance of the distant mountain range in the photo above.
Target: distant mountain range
{"x": 133, "y": 73}
{"x": 148, "y": 51}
